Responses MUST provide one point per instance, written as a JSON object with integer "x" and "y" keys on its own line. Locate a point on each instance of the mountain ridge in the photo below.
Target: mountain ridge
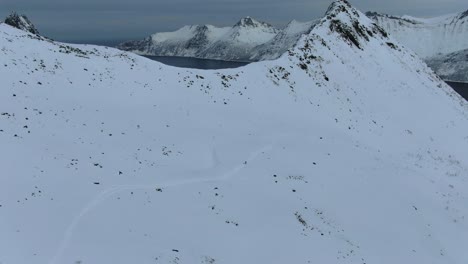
{"x": 279, "y": 45}
{"x": 247, "y": 40}
{"x": 200, "y": 40}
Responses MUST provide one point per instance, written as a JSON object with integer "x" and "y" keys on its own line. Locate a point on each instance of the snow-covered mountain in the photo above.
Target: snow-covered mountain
{"x": 239, "y": 41}
{"x": 282, "y": 42}
{"x": 452, "y": 66}
{"x": 346, "y": 149}
{"x": 187, "y": 41}
{"x": 427, "y": 37}
{"x": 248, "y": 40}
{"x": 206, "y": 41}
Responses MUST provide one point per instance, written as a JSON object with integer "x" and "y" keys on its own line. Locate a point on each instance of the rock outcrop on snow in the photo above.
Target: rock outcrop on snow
{"x": 21, "y": 22}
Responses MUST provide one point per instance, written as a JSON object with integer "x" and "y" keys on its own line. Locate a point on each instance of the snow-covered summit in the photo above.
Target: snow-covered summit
{"x": 346, "y": 149}
{"x": 250, "y": 32}
{"x": 251, "y": 22}
{"x": 21, "y": 22}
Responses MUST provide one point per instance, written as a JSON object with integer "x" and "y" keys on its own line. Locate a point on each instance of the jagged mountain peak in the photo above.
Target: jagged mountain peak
{"x": 251, "y": 22}
{"x": 353, "y": 26}
{"x": 200, "y": 28}
{"x": 21, "y": 22}
{"x": 339, "y": 6}
{"x": 342, "y": 11}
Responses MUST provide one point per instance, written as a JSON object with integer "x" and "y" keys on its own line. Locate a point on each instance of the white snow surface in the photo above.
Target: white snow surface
{"x": 428, "y": 37}
{"x": 340, "y": 151}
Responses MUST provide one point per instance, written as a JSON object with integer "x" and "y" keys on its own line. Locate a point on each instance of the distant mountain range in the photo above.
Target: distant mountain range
{"x": 250, "y": 40}
{"x": 247, "y": 40}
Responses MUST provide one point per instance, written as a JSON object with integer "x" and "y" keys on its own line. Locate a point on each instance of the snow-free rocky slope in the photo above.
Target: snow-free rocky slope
{"x": 347, "y": 149}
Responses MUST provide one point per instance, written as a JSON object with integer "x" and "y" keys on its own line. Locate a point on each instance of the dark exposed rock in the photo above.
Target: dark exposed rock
{"x": 345, "y": 31}
{"x": 21, "y": 22}
{"x": 464, "y": 14}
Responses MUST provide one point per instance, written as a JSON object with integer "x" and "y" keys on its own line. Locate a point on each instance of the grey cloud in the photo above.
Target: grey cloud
{"x": 124, "y": 19}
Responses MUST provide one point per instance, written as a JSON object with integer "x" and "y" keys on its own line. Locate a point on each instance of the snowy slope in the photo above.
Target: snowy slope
{"x": 453, "y": 66}
{"x": 427, "y": 37}
{"x": 347, "y": 149}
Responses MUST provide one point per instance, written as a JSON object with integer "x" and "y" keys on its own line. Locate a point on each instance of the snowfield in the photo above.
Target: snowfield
{"x": 346, "y": 149}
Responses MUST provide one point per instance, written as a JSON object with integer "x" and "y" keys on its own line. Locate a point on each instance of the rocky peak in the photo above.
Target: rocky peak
{"x": 21, "y": 22}
{"x": 202, "y": 29}
{"x": 464, "y": 14}
{"x": 250, "y": 22}
{"x": 339, "y": 6}
{"x": 353, "y": 26}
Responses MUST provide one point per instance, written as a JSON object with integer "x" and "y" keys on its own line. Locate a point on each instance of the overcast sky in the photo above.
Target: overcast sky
{"x": 93, "y": 20}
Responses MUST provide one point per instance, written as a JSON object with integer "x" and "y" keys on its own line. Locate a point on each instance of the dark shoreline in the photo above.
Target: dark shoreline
{"x": 196, "y": 63}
